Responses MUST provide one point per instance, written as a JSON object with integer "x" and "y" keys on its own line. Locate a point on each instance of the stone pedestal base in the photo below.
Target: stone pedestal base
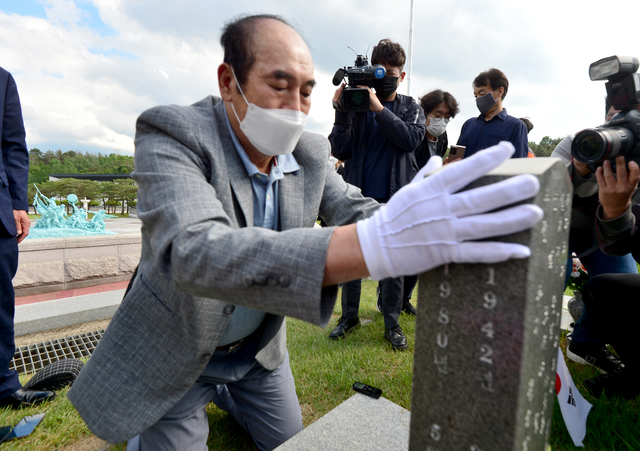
{"x": 360, "y": 423}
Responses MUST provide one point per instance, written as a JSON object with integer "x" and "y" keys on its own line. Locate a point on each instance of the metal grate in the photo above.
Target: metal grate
{"x": 31, "y": 358}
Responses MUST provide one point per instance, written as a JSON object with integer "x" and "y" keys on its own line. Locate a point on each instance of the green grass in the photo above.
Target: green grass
{"x": 62, "y": 424}
{"x": 325, "y": 370}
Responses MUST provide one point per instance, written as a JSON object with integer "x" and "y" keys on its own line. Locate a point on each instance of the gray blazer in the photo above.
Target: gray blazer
{"x": 201, "y": 257}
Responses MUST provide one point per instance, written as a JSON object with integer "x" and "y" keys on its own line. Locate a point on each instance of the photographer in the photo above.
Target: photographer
{"x": 377, "y": 147}
{"x": 591, "y": 233}
{"x": 617, "y": 223}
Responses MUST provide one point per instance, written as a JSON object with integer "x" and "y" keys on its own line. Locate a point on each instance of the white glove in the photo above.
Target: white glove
{"x": 426, "y": 224}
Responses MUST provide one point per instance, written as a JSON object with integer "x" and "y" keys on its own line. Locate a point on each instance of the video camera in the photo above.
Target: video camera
{"x": 354, "y": 98}
{"x": 621, "y": 135}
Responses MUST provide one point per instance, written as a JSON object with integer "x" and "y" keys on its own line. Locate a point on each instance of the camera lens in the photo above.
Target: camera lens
{"x": 589, "y": 146}
{"x": 595, "y": 145}
{"x": 355, "y": 99}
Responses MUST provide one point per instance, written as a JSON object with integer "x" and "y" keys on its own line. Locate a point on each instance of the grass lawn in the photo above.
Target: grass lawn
{"x": 325, "y": 370}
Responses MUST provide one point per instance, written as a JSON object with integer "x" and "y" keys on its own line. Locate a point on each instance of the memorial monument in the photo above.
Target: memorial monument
{"x": 55, "y": 223}
{"x": 487, "y": 335}
{"x": 486, "y": 347}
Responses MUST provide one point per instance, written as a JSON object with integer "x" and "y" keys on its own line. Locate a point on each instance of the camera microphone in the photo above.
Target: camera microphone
{"x": 338, "y": 77}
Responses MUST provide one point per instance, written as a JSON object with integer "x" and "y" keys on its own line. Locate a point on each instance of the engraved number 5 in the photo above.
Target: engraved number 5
{"x": 435, "y": 432}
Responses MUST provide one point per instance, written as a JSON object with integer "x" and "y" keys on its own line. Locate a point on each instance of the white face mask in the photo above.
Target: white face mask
{"x": 271, "y": 131}
{"x": 437, "y": 126}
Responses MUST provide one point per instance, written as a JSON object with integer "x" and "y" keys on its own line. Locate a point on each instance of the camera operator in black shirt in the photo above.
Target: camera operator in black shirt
{"x": 377, "y": 147}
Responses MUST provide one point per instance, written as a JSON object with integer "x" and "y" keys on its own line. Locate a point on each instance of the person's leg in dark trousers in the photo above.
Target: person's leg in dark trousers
{"x": 350, "y": 307}
{"x": 11, "y": 392}
{"x": 9, "y": 382}
{"x": 599, "y": 263}
{"x": 351, "y": 298}
{"x": 612, "y": 301}
{"x": 391, "y": 291}
{"x": 586, "y": 345}
{"x": 409, "y": 284}
{"x": 614, "y": 304}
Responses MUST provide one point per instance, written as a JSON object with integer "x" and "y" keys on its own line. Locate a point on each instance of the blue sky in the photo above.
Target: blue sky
{"x": 87, "y": 68}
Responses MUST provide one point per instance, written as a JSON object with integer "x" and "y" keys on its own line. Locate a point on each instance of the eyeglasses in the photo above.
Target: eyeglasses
{"x": 446, "y": 118}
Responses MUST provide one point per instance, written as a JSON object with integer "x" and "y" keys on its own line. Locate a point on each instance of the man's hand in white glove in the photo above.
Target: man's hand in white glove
{"x": 428, "y": 223}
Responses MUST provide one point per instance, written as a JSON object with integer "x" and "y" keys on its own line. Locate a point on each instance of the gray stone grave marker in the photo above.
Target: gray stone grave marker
{"x": 487, "y": 335}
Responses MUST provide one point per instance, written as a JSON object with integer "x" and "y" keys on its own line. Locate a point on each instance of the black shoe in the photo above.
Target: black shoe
{"x": 594, "y": 354}
{"x": 621, "y": 384}
{"x": 396, "y": 338}
{"x": 408, "y": 308}
{"x": 25, "y": 397}
{"x": 345, "y": 325}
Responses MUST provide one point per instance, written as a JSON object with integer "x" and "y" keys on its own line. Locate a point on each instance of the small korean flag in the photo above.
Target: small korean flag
{"x": 573, "y": 406}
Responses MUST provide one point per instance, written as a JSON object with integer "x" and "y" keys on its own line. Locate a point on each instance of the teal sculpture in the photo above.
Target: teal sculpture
{"x": 55, "y": 223}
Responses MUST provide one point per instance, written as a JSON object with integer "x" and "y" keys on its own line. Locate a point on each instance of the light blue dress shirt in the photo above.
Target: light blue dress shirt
{"x": 245, "y": 321}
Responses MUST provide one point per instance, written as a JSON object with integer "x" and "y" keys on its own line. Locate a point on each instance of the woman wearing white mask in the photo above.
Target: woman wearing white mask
{"x": 439, "y": 108}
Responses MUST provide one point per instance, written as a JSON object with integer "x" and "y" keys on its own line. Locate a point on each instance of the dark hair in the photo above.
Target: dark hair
{"x": 237, "y": 42}
{"x": 388, "y": 52}
{"x": 434, "y": 98}
{"x": 528, "y": 123}
{"x": 493, "y": 77}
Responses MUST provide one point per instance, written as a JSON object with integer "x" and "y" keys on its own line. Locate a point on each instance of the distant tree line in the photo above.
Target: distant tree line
{"x": 545, "y": 147}
{"x": 120, "y": 193}
{"x": 41, "y": 164}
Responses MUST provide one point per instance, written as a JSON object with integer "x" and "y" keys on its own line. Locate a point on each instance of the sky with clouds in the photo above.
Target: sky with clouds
{"x": 86, "y": 69}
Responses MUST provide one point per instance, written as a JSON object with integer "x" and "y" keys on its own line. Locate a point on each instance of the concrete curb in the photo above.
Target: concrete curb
{"x": 47, "y": 315}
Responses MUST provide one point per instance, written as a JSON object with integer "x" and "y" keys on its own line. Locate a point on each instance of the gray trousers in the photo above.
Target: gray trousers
{"x": 263, "y": 402}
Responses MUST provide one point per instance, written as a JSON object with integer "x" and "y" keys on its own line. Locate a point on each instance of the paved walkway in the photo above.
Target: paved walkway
{"x": 23, "y": 300}
{"x": 42, "y": 312}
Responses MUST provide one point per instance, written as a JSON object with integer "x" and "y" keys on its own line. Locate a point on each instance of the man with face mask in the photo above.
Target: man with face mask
{"x": 493, "y": 124}
{"x": 377, "y": 147}
{"x": 229, "y": 190}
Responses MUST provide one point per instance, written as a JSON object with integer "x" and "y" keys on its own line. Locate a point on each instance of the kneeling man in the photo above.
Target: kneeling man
{"x": 229, "y": 191}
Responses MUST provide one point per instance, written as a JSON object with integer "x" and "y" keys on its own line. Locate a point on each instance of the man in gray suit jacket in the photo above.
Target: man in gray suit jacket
{"x": 229, "y": 191}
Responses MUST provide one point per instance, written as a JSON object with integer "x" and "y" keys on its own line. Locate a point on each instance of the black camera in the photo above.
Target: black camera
{"x": 621, "y": 135}
{"x": 354, "y": 98}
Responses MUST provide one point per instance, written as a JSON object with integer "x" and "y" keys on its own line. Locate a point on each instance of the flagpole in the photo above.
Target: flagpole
{"x": 410, "y": 50}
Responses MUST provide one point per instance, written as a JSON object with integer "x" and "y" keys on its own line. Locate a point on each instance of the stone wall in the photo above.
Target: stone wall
{"x": 58, "y": 264}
